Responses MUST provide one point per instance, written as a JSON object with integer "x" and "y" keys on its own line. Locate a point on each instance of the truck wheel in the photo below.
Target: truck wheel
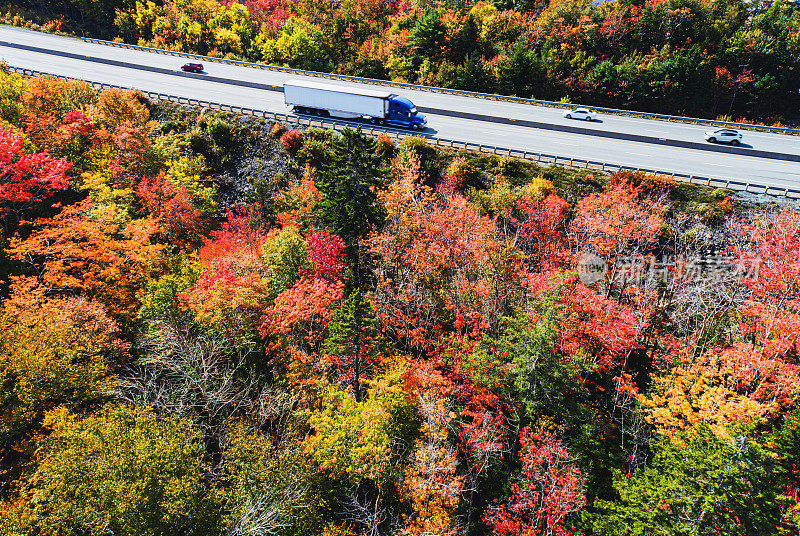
{"x": 415, "y": 127}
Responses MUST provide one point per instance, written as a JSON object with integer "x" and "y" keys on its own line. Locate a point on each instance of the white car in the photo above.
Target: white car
{"x": 724, "y": 135}
{"x": 581, "y": 113}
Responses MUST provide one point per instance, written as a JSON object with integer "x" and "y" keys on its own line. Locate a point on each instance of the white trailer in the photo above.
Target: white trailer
{"x": 351, "y": 102}
{"x": 339, "y": 101}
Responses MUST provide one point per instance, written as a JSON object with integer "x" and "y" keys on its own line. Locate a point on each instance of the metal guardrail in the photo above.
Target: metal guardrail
{"x": 530, "y": 156}
{"x": 476, "y": 94}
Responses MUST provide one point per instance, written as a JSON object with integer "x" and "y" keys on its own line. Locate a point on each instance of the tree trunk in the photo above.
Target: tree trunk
{"x": 357, "y": 321}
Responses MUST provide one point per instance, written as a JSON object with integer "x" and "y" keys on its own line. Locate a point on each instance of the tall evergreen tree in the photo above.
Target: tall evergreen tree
{"x": 521, "y": 72}
{"x": 428, "y": 33}
{"x": 348, "y": 180}
{"x": 352, "y": 336}
{"x": 468, "y": 40}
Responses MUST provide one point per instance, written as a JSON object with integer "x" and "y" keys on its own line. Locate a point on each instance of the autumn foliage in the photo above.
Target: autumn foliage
{"x": 379, "y": 339}
{"x": 27, "y": 177}
{"x": 549, "y": 491}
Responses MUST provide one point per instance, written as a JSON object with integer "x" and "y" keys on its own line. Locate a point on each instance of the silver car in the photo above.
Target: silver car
{"x": 581, "y": 113}
{"x": 724, "y": 135}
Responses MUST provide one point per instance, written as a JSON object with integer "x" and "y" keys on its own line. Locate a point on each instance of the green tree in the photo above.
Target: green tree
{"x": 284, "y": 253}
{"x": 784, "y": 445}
{"x": 160, "y": 300}
{"x": 522, "y": 72}
{"x": 348, "y": 180}
{"x": 352, "y": 334}
{"x": 548, "y": 384}
{"x": 698, "y": 484}
{"x": 536, "y": 374}
{"x": 427, "y": 34}
{"x": 125, "y": 471}
{"x": 300, "y": 44}
{"x": 468, "y": 40}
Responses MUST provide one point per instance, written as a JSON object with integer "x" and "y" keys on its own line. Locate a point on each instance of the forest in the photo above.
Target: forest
{"x": 728, "y": 59}
{"x": 212, "y": 324}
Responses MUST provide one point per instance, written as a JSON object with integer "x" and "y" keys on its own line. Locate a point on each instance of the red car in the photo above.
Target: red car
{"x": 192, "y": 67}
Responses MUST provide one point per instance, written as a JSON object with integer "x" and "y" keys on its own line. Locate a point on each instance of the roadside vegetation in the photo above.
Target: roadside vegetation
{"x": 728, "y": 59}
{"x": 215, "y": 325}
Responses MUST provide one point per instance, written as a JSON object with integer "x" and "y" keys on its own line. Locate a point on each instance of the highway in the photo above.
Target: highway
{"x": 671, "y": 147}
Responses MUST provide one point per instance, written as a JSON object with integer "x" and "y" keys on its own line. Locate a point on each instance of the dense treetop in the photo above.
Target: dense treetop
{"x": 210, "y": 324}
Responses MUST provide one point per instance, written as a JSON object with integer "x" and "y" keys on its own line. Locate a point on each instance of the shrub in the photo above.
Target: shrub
{"x": 221, "y": 133}
{"x": 322, "y": 135}
{"x": 648, "y": 183}
{"x": 502, "y": 197}
{"x": 197, "y": 143}
{"x": 416, "y": 145}
{"x": 311, "y": 152}
{"x": 512, "y": 170}
{"x": 420, "y": 148}
{"x": 461, "y": 173}
{"x": 384, "y": 146}
{"x": 278, "y": 129}
{"x": 292, "y": 140}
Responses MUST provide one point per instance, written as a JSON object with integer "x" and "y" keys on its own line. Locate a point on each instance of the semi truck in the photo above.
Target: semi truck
{"x": 378, "y": 106}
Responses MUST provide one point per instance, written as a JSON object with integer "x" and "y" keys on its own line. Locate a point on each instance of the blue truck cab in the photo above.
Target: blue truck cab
{"x": 403, "y": 113}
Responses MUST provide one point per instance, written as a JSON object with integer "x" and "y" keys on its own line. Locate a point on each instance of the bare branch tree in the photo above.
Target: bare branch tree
{"x": 271, "y": 505}
{"x": 201, "y": 377}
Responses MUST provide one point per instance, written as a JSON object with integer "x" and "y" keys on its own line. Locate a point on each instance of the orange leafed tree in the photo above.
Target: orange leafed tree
{"x": 756, "y": 376}
{"x": 178, "y": 220}
{"x": 92, "y": 250}
{"x": 53, "y": 351}
{"x": 612, "y": 221}
{"x": 432, "y": 484}
{"x": 542, "y": 231}
{"x": 442, "y": 265}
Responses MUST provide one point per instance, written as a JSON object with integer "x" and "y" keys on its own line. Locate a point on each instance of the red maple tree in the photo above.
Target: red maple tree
{"x": 27, "y": 178}
{"x": 549, "y": 491}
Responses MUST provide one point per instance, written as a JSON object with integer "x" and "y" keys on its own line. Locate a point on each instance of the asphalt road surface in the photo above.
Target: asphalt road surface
{"x": 475, "y": 120}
